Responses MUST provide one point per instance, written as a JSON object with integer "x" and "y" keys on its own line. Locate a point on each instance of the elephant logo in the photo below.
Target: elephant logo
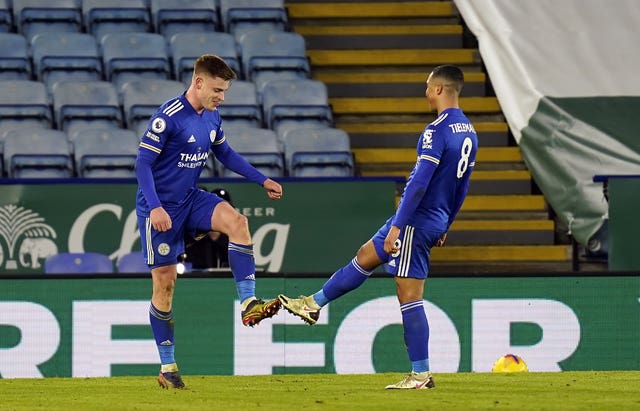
{"x": 37, "y": 236}
{"x": 36, "y": 249}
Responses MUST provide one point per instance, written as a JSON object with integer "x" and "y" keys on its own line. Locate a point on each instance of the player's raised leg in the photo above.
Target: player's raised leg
{"x": 346, "y": 279}
{"x": 242, "y": 263}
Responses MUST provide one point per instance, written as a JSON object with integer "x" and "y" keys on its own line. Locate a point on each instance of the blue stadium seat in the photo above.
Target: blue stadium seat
{"x": 142, "y": 98}
{"x": 115, "y": 16}
{"x": 131, "y": 263}
{"x": 86, "y": 104}
{"x": 65, "y": 56}
{"x": 185, "y": 48}
{"x": 295, "y": 103}
{"x": 15, "y": 63}
{"x": 32, "y": 17}
{"x": 317, "y": 152}
{"x": 273, "y": 55}
{"x": 6, "y": 18}
{"x": 105, "y": 153}
{"x": 259, "y": 147}
{"x": 24, "y": 104}
{"x": 37, "y": 153}
{"x": 179, "y": 16}
{"x": 131, "y": 56}
{"x": 240, "y": 106}
{"x": 240, "y": 16}
{"x": 78, "y": 263}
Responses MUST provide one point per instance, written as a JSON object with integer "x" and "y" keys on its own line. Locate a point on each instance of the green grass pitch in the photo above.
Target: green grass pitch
{"x": 594, "y": 390}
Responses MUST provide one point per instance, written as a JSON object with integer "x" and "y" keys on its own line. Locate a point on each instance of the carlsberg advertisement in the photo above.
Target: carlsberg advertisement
{"x": 295, "y": 234}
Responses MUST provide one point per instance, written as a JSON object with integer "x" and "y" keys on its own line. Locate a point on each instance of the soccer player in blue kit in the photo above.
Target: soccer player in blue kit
{"x": 431, "y": 199}
{"x": 172, "y": 153}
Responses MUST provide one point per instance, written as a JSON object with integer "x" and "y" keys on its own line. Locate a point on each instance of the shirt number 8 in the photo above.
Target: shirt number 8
{"x": 465, "y": 152}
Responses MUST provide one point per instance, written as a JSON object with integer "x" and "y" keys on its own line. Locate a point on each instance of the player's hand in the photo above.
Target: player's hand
{"x": 160, "y": 219}
{"x": 391, "y": 243}
{"x": 441, "y": 240}
{"x": 274, "y": 190}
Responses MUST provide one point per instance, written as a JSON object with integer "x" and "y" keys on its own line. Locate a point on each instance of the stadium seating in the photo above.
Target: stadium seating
{"x": 37, "y": 153}
{"x": 105, "y": 153}
{"x": 295, "y": 103}
{"x": 65, "y": 56}
{"x": 115, "y": 16}
{"x": 240, "y": 16}
{"x": 131, "y": 56}
{"x": 240, "y": 106}
{"x": 78, "y": 263}
{"x": 15, "y": 63}
{"x": 179, "y": 16}
{"x": 259, "y": 147}
{"x": 185, "y": 48}
{"x": 24, "y": 104}
{"x": 6, "y": 19}
{"x": 141, "y": 98}
{"x": 86, "y": 104}
{"x": 32, "y": 17}
{"x": 132, "y": 262}
{"x": 275, "y": 55}
{"x": 317, "y": 152}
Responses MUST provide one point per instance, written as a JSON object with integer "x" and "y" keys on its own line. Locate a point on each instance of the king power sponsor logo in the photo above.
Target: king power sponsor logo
{"x": 27, "y": 239}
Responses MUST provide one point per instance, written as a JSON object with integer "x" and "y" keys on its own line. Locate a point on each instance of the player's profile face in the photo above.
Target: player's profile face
{"x": 428, "y": 92}
{"x": 212, "y": 91}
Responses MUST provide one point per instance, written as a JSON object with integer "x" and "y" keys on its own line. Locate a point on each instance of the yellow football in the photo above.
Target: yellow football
{"x": 510, "y": 363}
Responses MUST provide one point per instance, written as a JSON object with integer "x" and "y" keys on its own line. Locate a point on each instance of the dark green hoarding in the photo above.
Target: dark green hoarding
{"x": 314, "y": 228}
{"x": 99, "y": 326}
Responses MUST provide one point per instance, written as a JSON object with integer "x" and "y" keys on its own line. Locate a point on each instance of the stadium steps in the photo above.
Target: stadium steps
{"x": 372, "y": 12}
{"x": 354, "y": 106}
{"x": 363, "y": 83}
{"x": 405, "y": 134}
{"x": 374, "y": 57}
{"x": 391, "y": 57}
{"x": 384, "y": 37}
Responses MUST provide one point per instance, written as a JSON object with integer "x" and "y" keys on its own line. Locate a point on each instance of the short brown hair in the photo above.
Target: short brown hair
{"x": 214, "y": 66}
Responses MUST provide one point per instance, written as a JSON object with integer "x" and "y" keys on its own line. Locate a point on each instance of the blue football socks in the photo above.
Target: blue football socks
{"x": 348, "y": 278}
{"x": 162, "y": 327}
{"x": 416, "y": 334}
{"x": 243, "y": 268}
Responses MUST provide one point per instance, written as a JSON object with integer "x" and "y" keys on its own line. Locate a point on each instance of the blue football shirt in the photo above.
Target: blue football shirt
{"x": 439, "y": 181}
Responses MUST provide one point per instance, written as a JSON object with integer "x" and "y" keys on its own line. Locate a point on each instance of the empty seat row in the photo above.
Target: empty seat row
{"x": 111, "y": 153}
{"x": 82, "y": 104}
{"x": 98, "y": 17}
{"x": 43, "y": 153}
{"x": 95, "y": 263}
{"x": 258, "y": 56}
{"x": 306, "y": 151}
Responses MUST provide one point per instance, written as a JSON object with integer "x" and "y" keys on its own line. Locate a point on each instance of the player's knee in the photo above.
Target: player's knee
{"x": 367, "y": 257}
{"x": 239, "y": 226}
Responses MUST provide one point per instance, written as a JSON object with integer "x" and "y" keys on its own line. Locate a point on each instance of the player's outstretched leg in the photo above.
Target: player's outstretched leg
{"x": 303, "y": 307}
{"x": 414, "y": 381}
{"x": 169, "y": 377}
{"x": 257, "y": 310}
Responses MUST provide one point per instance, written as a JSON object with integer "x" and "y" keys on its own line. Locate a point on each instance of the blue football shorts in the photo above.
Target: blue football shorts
{"x": 192, "y": 216}
{"x": 412, "y": 260}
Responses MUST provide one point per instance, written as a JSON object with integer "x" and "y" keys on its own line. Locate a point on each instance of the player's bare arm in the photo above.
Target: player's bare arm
{"x": 274, "y": 190}
{"x": 441, "y": 240}
{"x": 160, "y": 219}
